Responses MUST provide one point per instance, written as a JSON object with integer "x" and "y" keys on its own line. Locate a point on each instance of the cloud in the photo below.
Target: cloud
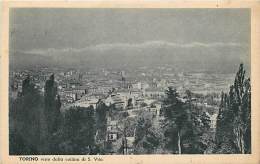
{"x": 134, "y": 46}
{"x": 156, "y": 44}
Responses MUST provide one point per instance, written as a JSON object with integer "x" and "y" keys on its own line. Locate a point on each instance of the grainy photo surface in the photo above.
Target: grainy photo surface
{"x": 129, "y": 81}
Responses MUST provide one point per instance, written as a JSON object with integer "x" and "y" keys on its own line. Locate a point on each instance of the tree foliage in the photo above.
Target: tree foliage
{"x": 101, "y": 124}
{"x": 147, "y": 138}
{"x": 202, "y": 137}
{"x": 186, "y": 130}
{"x": 25, "y": 120}
{"x": 52, "y": 114}
{"x": 234, "y": 119}
{"x": 52, "y": 105}
{"x": 77, "y": 134}
{"x": 177, "y": 118}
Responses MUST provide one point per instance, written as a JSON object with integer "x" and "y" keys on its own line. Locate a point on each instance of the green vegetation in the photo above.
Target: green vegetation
{"x": 234, "y": 120}
{"x": 78, "y": 131}
{"x": 147, "y": 138}
{"x": 25, "y": 121}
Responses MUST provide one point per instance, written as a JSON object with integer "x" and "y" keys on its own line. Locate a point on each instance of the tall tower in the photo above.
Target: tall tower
{"x": 123, "y": 80}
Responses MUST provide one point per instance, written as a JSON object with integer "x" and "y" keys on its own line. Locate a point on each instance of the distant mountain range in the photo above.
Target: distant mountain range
{"x": 224, "y": 60}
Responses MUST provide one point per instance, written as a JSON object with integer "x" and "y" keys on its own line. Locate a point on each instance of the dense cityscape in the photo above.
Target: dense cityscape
{"x": 142, "y": 86}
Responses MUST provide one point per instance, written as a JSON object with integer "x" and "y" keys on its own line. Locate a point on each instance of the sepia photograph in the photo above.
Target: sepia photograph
{"x": 129, "y": 81}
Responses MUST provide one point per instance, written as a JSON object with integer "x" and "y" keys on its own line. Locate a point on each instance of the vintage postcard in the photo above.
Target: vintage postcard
{"x": 130, "y": 82}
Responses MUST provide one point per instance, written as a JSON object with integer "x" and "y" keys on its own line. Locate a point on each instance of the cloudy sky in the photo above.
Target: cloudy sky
{"x": 50, "y": 32}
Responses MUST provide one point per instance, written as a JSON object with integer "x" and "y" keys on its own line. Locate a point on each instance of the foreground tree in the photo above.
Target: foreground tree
{"x": 52, "y": 105}
{"x": 202, "y": 138}
{"x": 52, "y": 112}
{"x": 234, "y": 119}
{"x": 177, "y": 119}
{"x": 24, "y": 119}
{"x": 242, "y": 111}
{"x": 101, "y": 124}
{"x": 77, "y": 136}
{"x": 147, "y": 138}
